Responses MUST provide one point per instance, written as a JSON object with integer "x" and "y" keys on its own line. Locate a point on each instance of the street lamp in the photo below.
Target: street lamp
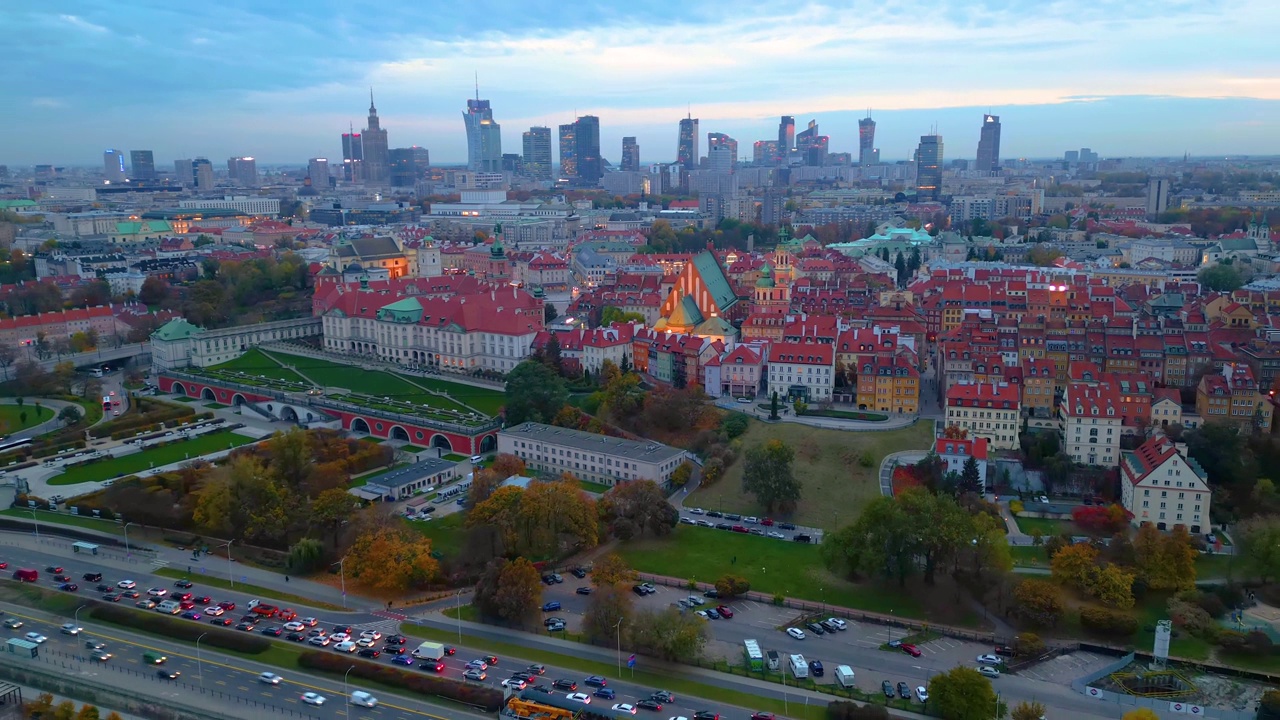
{"x": 230, "y": 578}
{"x": 618, "y": 629}
{"x": 200, "y": 665}
{"x": 35, "y": 521}
{"x": 344, "y": 679}
{"x": 342, "y": 577}
{"x": 458, "y": 615}
{"x": 77, "y": 614}
{"x": 127, "y": 552}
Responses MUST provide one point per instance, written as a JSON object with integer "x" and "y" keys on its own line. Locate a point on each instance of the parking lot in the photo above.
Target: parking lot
{"x": 1062, "y": 669}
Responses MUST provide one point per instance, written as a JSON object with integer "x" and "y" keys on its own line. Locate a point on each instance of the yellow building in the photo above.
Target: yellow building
{"x": 888, "y": 384}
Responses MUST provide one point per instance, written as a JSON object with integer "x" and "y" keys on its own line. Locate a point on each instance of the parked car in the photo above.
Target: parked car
{"x": 910, "y": 649}
{"x": 989, "y": 671}
{"x": 989, "y": 660}
{"x": 886, "y": 687}
{"x": 796, "y": 633}
{"x": 904, "y": 691}
{"x": 815, "y": 668}
{"x": 922, "y": 694}
{"x": 815, "y": 628}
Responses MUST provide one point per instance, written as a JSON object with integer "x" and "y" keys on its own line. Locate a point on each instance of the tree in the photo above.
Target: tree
{"x": 773, "y": 406}
{"x": 1112, "y": 585}
{"x": 767, "y": 474}
{"x": 682, "y": 474}
{"x": 612, "y": 570}
{"x": 501, "y": 511}
{"x": 941, "y": 527}
{"x": 519, "y": 595}
{"x": 535, "y": 393}
{"x": 668, "y": 634}
{"x": 555, "y": 515}
{"x": 1220, "y": 277}
{"x": 730, "y": 586}
{"x": 970, "y": 478}
{"x": 305, "y": 556}
{"x": 65, "y": 710}
{"x": 484, "y": 482}
{"x": 1164, "y": 562}
{"x": 393, "y": 558}
{"x": 1258, "y": 541}
{"x": 608, "y": 605}
{"x": 549, "y": 313}
{"x": 955, "y": 432}
{"x": 610, "y": 315}
{"x": 635, "y": 508}
{"x": 900, "y": 264}
{"x": 1028, "y": 711}
{"x": 154, "y": 291}
{"x": 961, "y": 693}
{"x": 290, "y": 453}
{"x": 88, "y": 712}
{"x": 1141, "y": 714}
{"x": 70, "y": 414}
{"x": 551, "y": 355}
{"x": 242, "y": 500}
{"x": 1073, "y": 565}
{"x": 330, "y": 510}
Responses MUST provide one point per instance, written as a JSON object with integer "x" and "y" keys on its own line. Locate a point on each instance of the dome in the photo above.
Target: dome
{"x": 766, "y": 276}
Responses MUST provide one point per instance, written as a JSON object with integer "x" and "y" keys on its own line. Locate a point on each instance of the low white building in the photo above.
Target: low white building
{"x": 1160, "y": 484}
{"x": 955, "y": 453}
{"x": 608, "y": 460}
{"x": 802, "y": 371}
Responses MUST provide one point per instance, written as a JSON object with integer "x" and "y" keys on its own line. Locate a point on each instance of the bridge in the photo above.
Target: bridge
{"x": 101, "y": 355}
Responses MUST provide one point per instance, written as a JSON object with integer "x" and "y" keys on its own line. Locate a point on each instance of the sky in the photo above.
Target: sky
{"x": 281, "y": 81}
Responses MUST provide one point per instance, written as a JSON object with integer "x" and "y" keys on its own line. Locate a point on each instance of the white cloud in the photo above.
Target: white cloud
{"x": 81, "y": 23}
{"x": 47, "y": 103}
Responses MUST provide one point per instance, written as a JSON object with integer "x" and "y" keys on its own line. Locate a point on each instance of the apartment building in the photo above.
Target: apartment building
{"x": 1092, "y": 423}
{"x": 552, "y": 450}
{"x": 1160, "y": 484}
{"x": 1233, "y": 398}
{"x": 802, "y": 371}
{"x": 986, "y": 410}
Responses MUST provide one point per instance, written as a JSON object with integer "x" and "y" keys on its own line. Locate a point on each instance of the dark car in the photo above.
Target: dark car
{"x": 69, "y": 587}
{"x": 662, "y": 696}
{"x": 1006, "y": 651}
{"x": 583, "y": 590}
{"x": 551, "y": 606}
{"x": 904, "y": 691}
{"x": 649, "y": 704}
{"x": 433, "y": 665}
{"x": 393, "y": 650}
{"x": 402, "y": 660}
{"x": 714, "y": 513}
{"x": 712, "y": 593}
{"x": 639, "y": 590}
{"x": 168, "y": 674}
{"x": 490, "y": 659}
{"x": 105, "y": 589}
{"x": 562, "y": 684}
{"x": 578, "y": 573}
{"x": 595, "y": 681}
{"x": 815, "y": 628}
{"x": 829, "y": 626}
{"x": 131, "y": 594}
{"x": 785, "y": 526}
{"x": 536, "y": 669}
{"x": 53, "y": 569}
{"x": 111, "y": 597}
{"x": 395, "y": 640}
{"x": 184, "y": 584}
{"x": 344, "y": 629}
{"x": 887, "y": 688}
{"x": 93, "y": 577}
{"x": 706, "y": 715}
{"x": 247, "y": 627}
{"x": 723, "y": 526}
{"x": 191, "y": 615}
{"x": 202, "y": 600}
{"x": 802, "y": 538}
{"x": 295, "y": 637}
{"x": 450, "y": 650}
{"x": 370, "y": 653}
{"x": 62, "y": 578}
{"x": 733, "y": 516}
{"x": 815, "y": 668}
{"x": 251, "y": 619}
{"x": 606, "y": 693}
{"x": 220, "y": 621}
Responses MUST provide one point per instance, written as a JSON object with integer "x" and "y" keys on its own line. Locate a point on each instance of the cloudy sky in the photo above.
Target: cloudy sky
{"x": 281, "y": 80}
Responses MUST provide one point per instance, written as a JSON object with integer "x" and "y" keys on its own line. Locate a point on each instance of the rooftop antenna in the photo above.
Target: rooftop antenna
{"x": 477, "y": 86}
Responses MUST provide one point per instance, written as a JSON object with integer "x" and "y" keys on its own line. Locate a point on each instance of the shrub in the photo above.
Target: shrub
{"x": 866, "y": 459}
{"x": 1028, "y": 644}
{"x": 1108, "y": 622}
{"x": 1015, "y": 507}
{"x": 732, "y": 586}
{"x": 174, "y": 628}
{"x": 1109, "y": 519}
{"x": 1192, "y": 618}
{"x": 845, "y": 710}
{"x": 488, "y": 698}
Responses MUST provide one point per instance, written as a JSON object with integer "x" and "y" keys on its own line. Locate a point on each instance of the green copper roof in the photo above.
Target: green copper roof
{"x": 686, "y": 313}
{"x": 766, "y": 276}
{"x": 145, "y": 226}
{"x": 717, "y": 284}
{"x": 406, "y": 310}
{"x": 177, "y": 329}
{"x": 716, "y": 327}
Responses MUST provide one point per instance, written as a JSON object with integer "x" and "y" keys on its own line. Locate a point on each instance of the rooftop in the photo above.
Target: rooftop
{"x": 652, "y": 452}
{"x": 422, "y": 468}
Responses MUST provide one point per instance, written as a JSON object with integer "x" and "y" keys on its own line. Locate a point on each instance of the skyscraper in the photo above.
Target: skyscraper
{"x": 404, "y": 168}
{"x": 1157, "y": 197}
{"x": 786, "y": 138}
{"x": 630, "y": 155}
{"x": 377, "y": 157}
{"x": 722, "y": 152}
{"x": 929, "y": 168}
{"x": 537, "y": 152}
{"x": 202, "y": 174}
{"x": 587, "y": 138}
{"x": 687, "y": 146}
{"x": 989, "y": 145}
{"x": 764, "y": 152}
{"x": 513, "y": 163}
{"x": 243, "y": 171}
{"x": 142, "y": 165}
{"x": 113, "y": 166}
{"x": 811, "y": 146}
{"x": 568, "y": 150}
{"x": 484, "y": 136}
{"x": 352, "y": 157}
{"x": 184, "y": 172}
{"x": 867, "y": 140}
{"x": 318, "y": 173}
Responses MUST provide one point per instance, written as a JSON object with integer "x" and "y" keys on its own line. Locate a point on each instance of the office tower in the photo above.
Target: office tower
{"x": 866, "y": 140}
{"x": 513, "y": 163}
{"x": 568, "y": 151}
{"x": 786, "y": 138}
{"x": 352, "y": 157}
{"x": 318, "y": 173}
{"x": 202, "y": 174}
{"x": 722, "y": 153}
{"x": 764, "y": 152}
{"x": 587, "y": 152}
{"x": 377, "y": 159}
{"x": 929, "y": 168}
{"x": 484, "y": 136}
{"x": 243, "y": 171}
{"x": 687, "y": 145}
{"x": 1157, "y": 197}
{"x": 811, "y": 146}
{"x": 142, "y": 165}
{"x": 113, "y": 166}
{"x": 630, "y": 155}
{"x": 185, "y": 172}
{"x": 537, "y": 152}
{"x": 1088, "y": 156}
{"x": 403, "y": 167}
{"x": 989, "y": 145}
{"x": 1071, "y": 156}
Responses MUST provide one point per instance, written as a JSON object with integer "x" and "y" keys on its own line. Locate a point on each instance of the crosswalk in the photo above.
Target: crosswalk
{"x": 386, "y": 627}
{"x": 158, "y": 563}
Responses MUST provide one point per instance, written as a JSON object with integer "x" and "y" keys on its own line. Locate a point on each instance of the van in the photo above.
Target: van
{"x": 771, "y": 660}
{"x": 799, "y": 667}
{"x": 26, "y": 575}
{"x": 170, "y": 607}
{"x": 363, "y": 699}
{"x": 844, "y": 676}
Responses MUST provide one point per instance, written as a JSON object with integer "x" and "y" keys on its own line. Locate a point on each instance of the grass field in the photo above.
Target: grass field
{"x": 772, "y": 566}
{"x": 58, "y": 518}
{"x": 1047, "y": 527}
{"x": 257, "y": 362}
{"x": 1029, "y": 556}
{"x": 174, "y": 452}
{"x": 836, "y": 486}
{"x": 593, "y": 487}
{"x": 11, "y": 417}
{"x": 447, "y": 532}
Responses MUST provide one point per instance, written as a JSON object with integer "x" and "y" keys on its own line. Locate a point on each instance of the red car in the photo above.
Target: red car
{"x": 724, "y": 611}
{"x": 911, "y": 650}
{"x": 186, "y": 604}
{"x": 226, "y": 605}
{"x": 767, "y": 522}
{"x": 286, "y": 615}
{"x": 3, "y": 565}
{"x": 181, "y": 597}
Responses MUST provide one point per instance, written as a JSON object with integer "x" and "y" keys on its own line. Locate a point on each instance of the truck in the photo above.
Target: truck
{"x": 755, "y": 660}
{"x": 429, "y": 651}
{"x": 772, "y": 660}
{"x": 844, "y": 676}
{"x": 799, "y": 667}
{"x": 25, "y": 648}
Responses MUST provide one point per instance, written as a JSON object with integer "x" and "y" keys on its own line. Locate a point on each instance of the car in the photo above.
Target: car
{"x": 697, "y": 511}
{"x": 625, "y": 708}
{"x": 828, "y": 626}
{"x": 550, "y": 607}
{"x": 434, "y": 665}
{"x": 763, "y": 716}
{"x": 227, "y": 605}
{"x": 394, "y": 650}
{"x": 146, "y": 604}
{"x": 55, "y": 569}
{"x": 345, "y": 647}
{"x": 402, "y": 660}
{"x": 695, "y": 600}
{"x": 838, "y": 623}
{"x": 102, "y": 588}
{"x": 777, "y": 535}
{"x": 111, "y": 597}
{"x": 514, "y": 683}
{"x": 703, "y": 614}
{"x": 70, "y": 629}
{"x": 92, "y": 577}
{"x": 13, "y": 623}
{"x": 1006, "y": 651}
{"x": 583, "y": 590}
{"x": 605, "y": 693}
{"x": 562, "y": 684}
{"x": 715, "y": 513}
{"x": 245, "y": 627}
{"x": 371, "y": 635}
{"x": 816, "y": 669}
{"x": 310, "y": 621}
{"x": 251, "y": 619}
{"x": 450, "y": 650}
{"x": 578, "y": 573}
{"x": 886, "y": 687}
{"x": 724, "y": 526}
{"x": 724, "y": 611}
{"x": 191, "y": 615}
{"x": 989, "y": 660}
{"x": 712, "y": 593}
{"x": 363, "y": 699}
{"x": 751, "y": 520}
{"x": 785, "y": 526}
{"x": 738, "y": 528}
{"x": 269, "y": 678}
{"x": 62, "y": 578}
{"x": 662, "y": 696}
{"x": 922, "y": 694}
{"x": 802, "y": 538}
{"x": 910, "y": 649}
{"x": 94, "y": 645}
{"x": 311, "y": 698}
{"x": 370, "y": 652}
{"x": 815, "y": 628}
{"x": 639, "y": 590}
{"x": 704, "y": 523}
{"x": 35, "y": 637}
{"x": 555, "y": 578}
{"x": 477, "y": 665}
{"x": 649, "y": 704}
{"x": 342, "y": 629}
{"x": 168, "y": 674}
{"x": 988, "y": 671}
{"x": 733, "y": 516}
{"x": 295, "y": 637}
{"x": 319, "y": 641}
{"x": 396, "y": 640}
{"x": 184, "y": 584}
{"x": 552, "y": 621}
{"x": 157, "y": 592}
{"x": 366, "y": 642}
{"x": 181, "y": 597}
{"x": 221, "y": 621}
{"x": 340, "y": 637}
{"x": 100, "y": 656}
{"x": 131, "y": 594}
{"x": 1043, "y": 499}
{"x": 583, "y": 698}
{"x": 595, "y": 681}
{"x": 491, "y": 659}
{"x": 536, "y": 668}
{"x": 214, "y": 611}
{"x": 796, "y": 633}
{"x": 710, "y": 613}
{"x": 706, "y": 715}
{"x": 688, "y": 521}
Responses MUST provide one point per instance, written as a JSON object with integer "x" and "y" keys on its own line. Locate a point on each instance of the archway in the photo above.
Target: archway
{"x": 359, "y": 425}
{"x": 440, "y": 441}
{"x": 488, "y": 444}
{"x": 238, "y": 400}
{"x": 288, "y": 414}
{"x": 207, "y": 394}
{"x": 399, "y": 433}
{"x": 179, "y": 388}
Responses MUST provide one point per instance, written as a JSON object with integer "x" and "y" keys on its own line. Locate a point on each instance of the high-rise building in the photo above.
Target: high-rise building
{"x": 568, "y": 150}
{"x": 811, "y": 146}
{"x": 113, "y": 166}
{"x": 202, "y": 174}
{"x": 867, "y": 140}
{"x": 404, "y": 167}
{"x": 377, "y": 156}
{"x": 989, "y": 145}
{"x": 587, "y": 138}
{"x": 764, "y": 152}
{"x": 1157, "y": 197}
{"x": 142, "y": 165}
{"x": 630, "y": 154}
{"x": 513, "y": 163}
{"x": 537, "y": 152}
{"x": 352, "y": 157}
{"x": 184, "y": 172}
{"x": 687, "y": 145}
{"x": 786, "y": 138}
{"x": 484, "y": 137}
{"x": 1071, "y": 156}
{"x": 243, "y": 171}
{"x": 929, "y": 168}
{"x": 318, "y": 173}
{"x": 722, "y": 153}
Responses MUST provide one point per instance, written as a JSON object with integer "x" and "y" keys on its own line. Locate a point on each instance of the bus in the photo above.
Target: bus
{"x": 755, "y": 660}
{"x": 106, "y": 404}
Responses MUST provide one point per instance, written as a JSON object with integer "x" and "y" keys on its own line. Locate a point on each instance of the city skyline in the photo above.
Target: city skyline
{"x": 1073, "y": 75}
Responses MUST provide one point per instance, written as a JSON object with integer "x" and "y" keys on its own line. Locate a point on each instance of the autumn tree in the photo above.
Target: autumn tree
{"x": 290, "y": 454}
{"x": 1039, "y": 601}
{"x": 1165, "y": 562}
{"x": 519, "y": 594}
{"x": 682, "y": 474}
{"x": 1112, "y": 585}
{"x": 1073, "y": 565}
{"x": 484, "y": 483}
{"x": 767, "y": 474}
{"x": 242, "y": 500}
{"x": 635, "y": 508}
{"x": 955, "y": 432}
{"x": 612, "y": 570}
{"x": 730, "y": 586}
{"x": 962, "y": 693}
{"x": 555, "y": 514}
{"x": 608, "y": 605}
{"x": 330, "y": 510}
{"x": 668, "y": 634}
{"x": 392, "y": 558}
{"x": 1028, "y": 710}
{"x": 500, "y": 511}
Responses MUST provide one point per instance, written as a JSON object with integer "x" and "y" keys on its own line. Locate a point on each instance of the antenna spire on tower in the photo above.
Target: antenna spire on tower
{"x": 372, "y": 110}
{"x": 477, "y": 86}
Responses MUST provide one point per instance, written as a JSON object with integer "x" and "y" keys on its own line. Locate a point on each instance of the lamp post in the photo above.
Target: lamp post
{"x": 342, "y": 578}
{"x": 127, "y": 552}
{"x": 458, "y": 616}
{"x": 35, "y": 521}
{"x": 230, "y": 578}
{"x": 200, "y": 665}
{"x": 77, "y": 614}
{"x": 618, "y": 630}
{"x": 344, "y": 680}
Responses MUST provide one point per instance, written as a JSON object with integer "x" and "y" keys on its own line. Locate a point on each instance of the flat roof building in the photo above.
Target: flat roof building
{"x": 424, "y": 474}
{"x": 553, "y": 450}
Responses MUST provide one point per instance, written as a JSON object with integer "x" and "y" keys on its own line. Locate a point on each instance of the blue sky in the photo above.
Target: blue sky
{"x": 281, "y": 81}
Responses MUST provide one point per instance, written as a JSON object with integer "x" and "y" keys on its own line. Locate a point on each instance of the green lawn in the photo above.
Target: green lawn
{"x": 593, "y": 487}
{"x": 184, "y": 398}
{"x": 412, "y": 448}
{"x": 171, "y": 453}
{"x": 44, "y": 516}
{"x": 221, "y": 582}
{"x": 447, "y": 532}
{"x": 1029, "y": 556}
{"x": 771, "y": 566}
{"x": 11, "y": 419}
{"x": 256, "y": 362}
{"x": 1154, "y": 608}
{"x": 1046, "y": 527}
{"x": 836, "y": 485}
{"x": 486, "y": 400}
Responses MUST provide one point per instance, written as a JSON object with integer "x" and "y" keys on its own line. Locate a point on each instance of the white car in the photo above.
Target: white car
{"x": 157, "y": 592}
{"x": 988, "y": 660}
{"x": 583, "y": 698}
{"x": 796, "y": 633}
{"x": 313, "y": 698}
{"x": 366, "y": 642}
{"x": 514, "y": 683}
{"x": 36, "y": 638}
{"x": 319, "y": 641}
{"x": 697, "y": 511}
{"x": 253, "y": 604}
{"x": 363, "y": 699}
{"x": 372, "y": 635}
{"x": 921, "y": 694}
{"x": 339, "y": 637}
{"x": 989, "y": 671}
{"x": 214, "y": 611}
{"x": 346, "y": 647}
{"x": 13, "y": 623}
{"x": 294, "y": 626}
{"x": 840, "y": 624}
{"x": 270, "y": 678}
{"x": 777, "y": 535}
{"x": 625, "y": 707}
{"x": 751, "y": 520}
{"x": 126, "y": 584}
{"x": 71, "y": 629}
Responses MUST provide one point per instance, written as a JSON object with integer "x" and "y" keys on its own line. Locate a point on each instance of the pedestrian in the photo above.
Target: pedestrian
{"x": 286, "y": 578}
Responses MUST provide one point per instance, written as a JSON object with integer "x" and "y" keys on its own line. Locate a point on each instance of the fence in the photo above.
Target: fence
{"x": 1125, "y": 701}
{"x": 135, "y": 556}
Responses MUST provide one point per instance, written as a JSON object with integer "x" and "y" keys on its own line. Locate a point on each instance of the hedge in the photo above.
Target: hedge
{"x": 1109, "y": 622}
{"x": 179, "y": 629}
{"x": 416, "y": 680}
{"x": 161, "y": 414}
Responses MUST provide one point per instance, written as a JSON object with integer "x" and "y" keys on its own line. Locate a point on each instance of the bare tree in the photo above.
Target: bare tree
{"x": 7, "y": 357}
